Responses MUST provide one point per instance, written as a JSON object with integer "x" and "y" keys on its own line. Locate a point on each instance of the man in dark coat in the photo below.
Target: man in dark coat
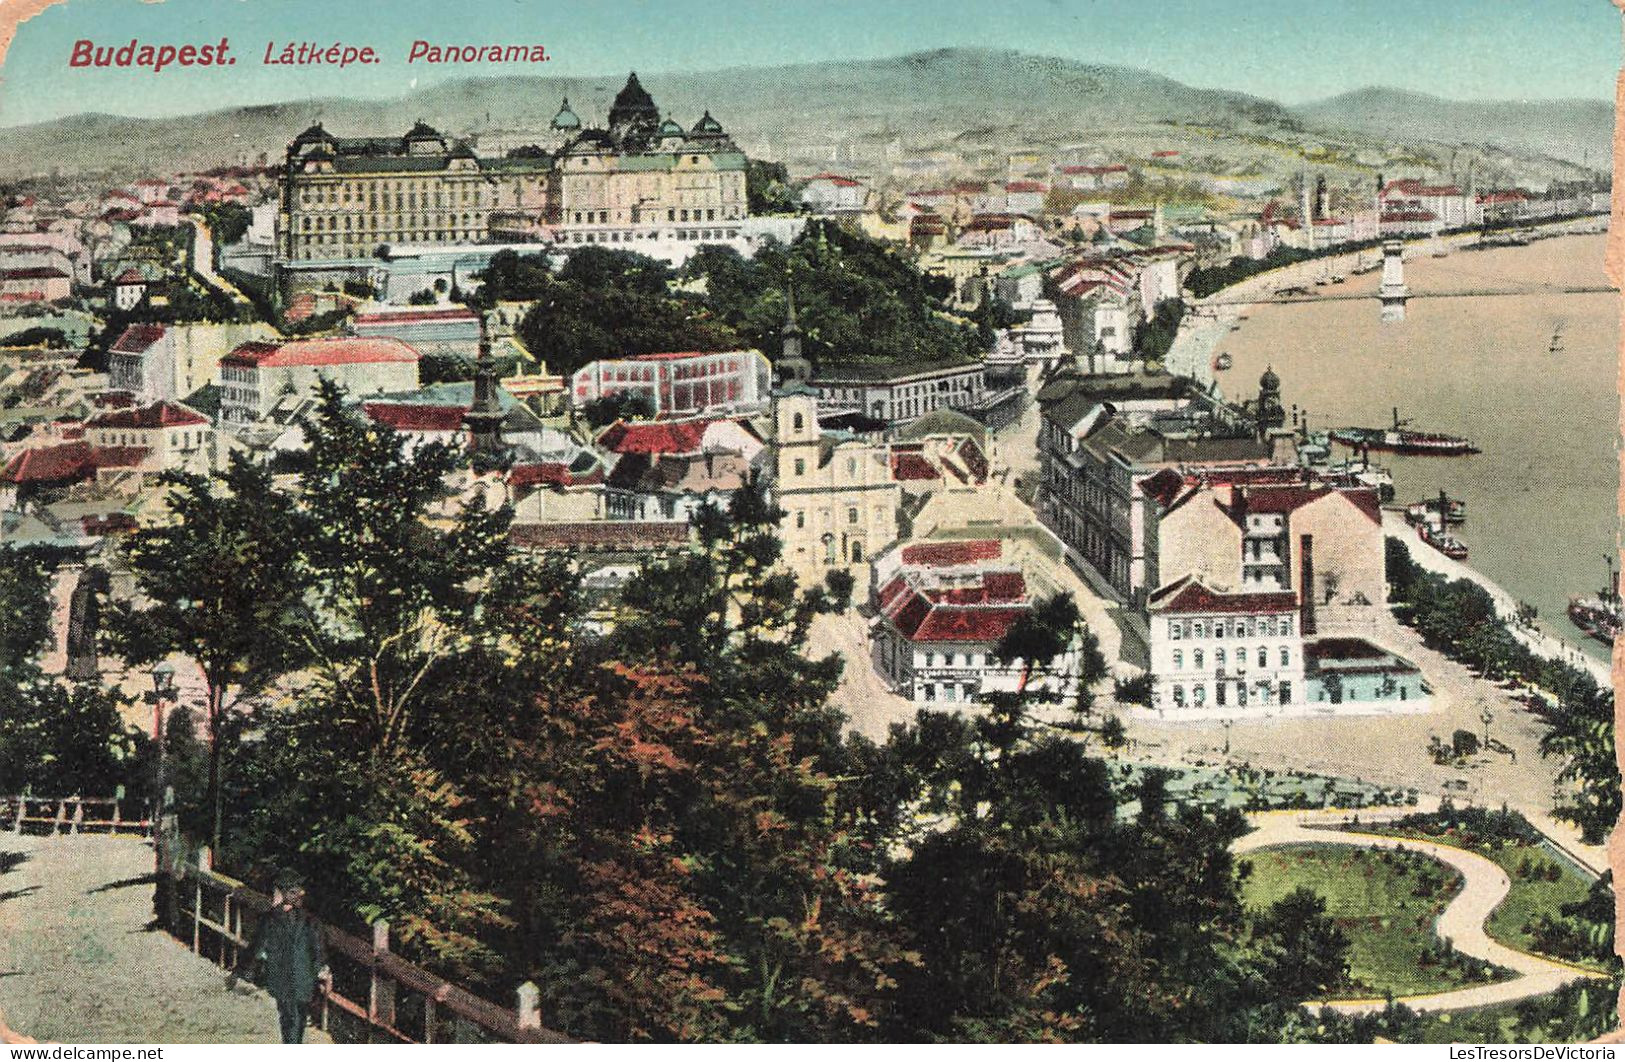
{"x": 288, "y": 957}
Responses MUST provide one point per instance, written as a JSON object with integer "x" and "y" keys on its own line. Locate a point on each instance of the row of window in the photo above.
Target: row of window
{"x": 1219, "y": 658}
{"x": 373, "y": 222}
{"x": 1261, "y": 693}
{"x": 1236, "y": 627}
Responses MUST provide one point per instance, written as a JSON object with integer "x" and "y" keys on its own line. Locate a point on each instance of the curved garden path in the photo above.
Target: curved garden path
{"x": 1484, "y": 886}
{"x": 80, "y": 961}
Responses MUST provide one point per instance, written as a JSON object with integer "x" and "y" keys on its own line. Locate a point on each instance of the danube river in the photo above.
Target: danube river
{"x": 1528, "y": 376}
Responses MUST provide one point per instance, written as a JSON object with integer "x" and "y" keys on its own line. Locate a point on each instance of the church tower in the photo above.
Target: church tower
{"x": 484, "y": 417}
{"x": 793, "y": 366}
{"x": 1270, "y": 412}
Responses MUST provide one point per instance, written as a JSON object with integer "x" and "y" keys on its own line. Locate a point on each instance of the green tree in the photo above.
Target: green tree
{"x": 216, "y": 585}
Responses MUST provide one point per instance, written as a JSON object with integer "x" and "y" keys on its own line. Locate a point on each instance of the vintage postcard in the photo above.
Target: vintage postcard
{"x": 883, "y": 523}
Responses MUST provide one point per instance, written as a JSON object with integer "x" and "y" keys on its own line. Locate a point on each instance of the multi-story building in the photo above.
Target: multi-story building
{"x": 680, "y": 384}
{"x": 1217, "y": 653}
{"x": 898, "y": 394}
{"x": 642, "y": 178}
{"x": 1100, "y": 438}
{"x": 257, "y": 377}
{"x": 445, "y": 331}
{"x": 176, "y": 436}
{"x": 838, "y": 494}
{"x": 942, "y": 608}
{"x": 172, "y": 361}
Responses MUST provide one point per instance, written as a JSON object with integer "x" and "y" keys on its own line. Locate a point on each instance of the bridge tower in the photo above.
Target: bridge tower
{"x": 1393, "y": 291}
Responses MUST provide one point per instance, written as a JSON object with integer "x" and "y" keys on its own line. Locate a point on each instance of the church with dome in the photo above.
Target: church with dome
{"x": 641, "y": 177}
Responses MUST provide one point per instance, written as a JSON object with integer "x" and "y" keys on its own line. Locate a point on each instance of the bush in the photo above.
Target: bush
{"x": 1136, "y": 690}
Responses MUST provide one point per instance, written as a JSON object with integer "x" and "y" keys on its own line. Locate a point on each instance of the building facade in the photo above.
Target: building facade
{"x": 898, "y": 394}
{"x": 256, "y": 377}
{"x": 838, "y": 494}
{"x": 679, "y": 384}
{"x": 640, "y": 178}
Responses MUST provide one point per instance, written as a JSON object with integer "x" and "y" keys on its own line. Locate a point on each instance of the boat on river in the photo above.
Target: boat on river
{"x": 1401, "y": 440}
{"x": 1452, "y": 510}
{"x": 1600, "y": 617}
{"x": 1434, "y": 534}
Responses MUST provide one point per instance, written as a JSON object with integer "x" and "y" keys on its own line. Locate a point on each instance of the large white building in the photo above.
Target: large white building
{"x": 898, "y": 394}
{"x": 1215, "y": 653}
{"x": 256, "y": 377}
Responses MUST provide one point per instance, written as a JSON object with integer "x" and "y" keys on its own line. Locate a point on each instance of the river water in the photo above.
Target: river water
{"x": 1541, "y": 497}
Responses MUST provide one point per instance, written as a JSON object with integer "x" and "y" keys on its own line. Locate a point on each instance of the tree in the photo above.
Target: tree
{"x": 391, "y": 566}
{"x": 217, "y": 586}
{"x": 705, "y": 880}
{"x": 1307, "y": 954}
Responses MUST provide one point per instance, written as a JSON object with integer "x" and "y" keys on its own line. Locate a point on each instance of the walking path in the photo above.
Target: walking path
{"x": 1541, "y": 641}
{"x": 80, "y": 961}
{"x": 1484, "y": 886}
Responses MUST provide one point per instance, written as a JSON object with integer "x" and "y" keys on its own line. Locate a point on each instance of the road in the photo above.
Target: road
{"x": 81, "y": 962}
{"x": 1484, "y": 886}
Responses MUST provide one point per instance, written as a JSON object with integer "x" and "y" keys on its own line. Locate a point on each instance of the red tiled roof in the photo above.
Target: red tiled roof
{"x": 1026, "y": 186}
{"x": 1164, "y": 154}
{"x": 950, "y": 554}
{"x": 601, "y": 534}
{"x": 415, "y": 416}
{"x": 343, "y": 350}
{"x": 655, "y": 436}
{"x": 962, "y": 617}
{"x": 1514, "y": 196}
{"x": 1163, "y": 487}
{"x": 909, "y": 466}
{"x": 138, "y": 337}
{"x": 1410, "y": 215}
{"x": 834, "y": 178}
{"x": 158, "y": 415}
{"x": 404, "y": 316}
{"x": 69, "y": 462}
{"x": 975, "y": 460}
{"x": 1289, "y": 499}
{"x": 552, "y": 474}
{"x": 33, "y": 273}
{"x": 1190, "y": 595}
{"x": 130, "y": 276}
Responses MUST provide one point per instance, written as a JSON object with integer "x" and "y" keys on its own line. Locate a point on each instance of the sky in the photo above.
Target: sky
{"x": 1288, "y": 51}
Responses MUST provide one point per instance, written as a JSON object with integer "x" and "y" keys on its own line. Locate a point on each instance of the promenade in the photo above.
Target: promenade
{"x": 82, "y": 961}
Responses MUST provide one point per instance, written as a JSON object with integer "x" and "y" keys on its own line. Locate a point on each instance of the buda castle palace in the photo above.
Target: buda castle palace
{"x": 642, "y": 178}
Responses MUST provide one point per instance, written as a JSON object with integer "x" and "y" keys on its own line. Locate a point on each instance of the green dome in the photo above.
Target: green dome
{"x": 566, "y": 118}
{"x": 708, "y": 126}
{"x": 670, "y": 128}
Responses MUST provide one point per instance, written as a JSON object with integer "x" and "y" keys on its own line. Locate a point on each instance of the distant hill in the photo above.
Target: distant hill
{"x": 1574, "y": 130}
{"x": 952, "y": 99}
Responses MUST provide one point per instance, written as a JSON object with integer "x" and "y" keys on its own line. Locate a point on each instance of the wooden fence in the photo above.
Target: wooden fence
{"x": 377, "y": 996}
{"x": 52, "y": 815}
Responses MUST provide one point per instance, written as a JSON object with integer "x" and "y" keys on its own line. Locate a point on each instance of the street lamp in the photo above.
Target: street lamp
{"x": 163, "y": 691}
{"x": 1486, "y": 717}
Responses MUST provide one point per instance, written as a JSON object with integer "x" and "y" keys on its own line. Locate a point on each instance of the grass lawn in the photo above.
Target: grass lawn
{"x": 1544, "y": 884}
{"x": 1385, "y": 902}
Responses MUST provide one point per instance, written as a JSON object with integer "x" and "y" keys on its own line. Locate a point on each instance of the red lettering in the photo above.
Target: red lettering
{"x": 81, "y": 54}
{"x": 187, "y": 56}
{"x": 419, "y": 49}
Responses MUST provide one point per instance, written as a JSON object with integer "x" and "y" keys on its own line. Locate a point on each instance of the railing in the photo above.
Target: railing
{"x": 72, "y": 815}
{"x": 377, "y": 996}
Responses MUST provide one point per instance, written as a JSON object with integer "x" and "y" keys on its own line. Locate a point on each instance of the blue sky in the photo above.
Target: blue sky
{"x": 1289, "y": 51}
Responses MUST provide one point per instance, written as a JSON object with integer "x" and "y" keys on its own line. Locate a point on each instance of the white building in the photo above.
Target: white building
{"x": 176, "y": 436}
{"x": 129, "y": 288}
{"x": 832, "y": 194}
{"x": 1217, "y": 654}
{"x": 898, "y": 394}
{"x": 258, "y": 376}
{"x": 942, "y": 608}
